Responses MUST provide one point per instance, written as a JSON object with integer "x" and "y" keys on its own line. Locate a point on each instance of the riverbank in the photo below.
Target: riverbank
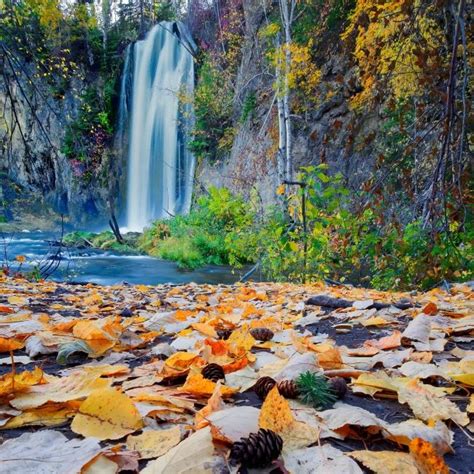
{"x": 407, "y": 364}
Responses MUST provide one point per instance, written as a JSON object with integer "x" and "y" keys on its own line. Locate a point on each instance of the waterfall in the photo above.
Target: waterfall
{"x": 160, "y": 168}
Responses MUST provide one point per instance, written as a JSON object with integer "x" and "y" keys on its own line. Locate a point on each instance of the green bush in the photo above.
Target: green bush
{"x": 215, "y": 232}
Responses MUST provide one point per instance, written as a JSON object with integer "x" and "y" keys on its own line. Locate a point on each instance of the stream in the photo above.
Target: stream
{"x": 103, "y": 267}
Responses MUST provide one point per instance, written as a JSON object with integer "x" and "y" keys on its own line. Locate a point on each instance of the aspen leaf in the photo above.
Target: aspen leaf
{"x": 154, "y": 443}
{"x": 386, "y": 462}
{"x": 387, "y": 342}
{"x": 427, "y": 405}
{"x": 234, "y": 423}
{"x": 17, "y": 300}
{"x": 426, "y": 458}
{"x": 181, "y": 360}
{"x": 106, "y": 414}
{"x": 46, "y": 452}
{"x": 214, "y": 403}
{"x": 7, "y": 345}
{"x": 194, "y": 455}
{"x": 74, "y": 387}
{"x": 197, "y": 385}
{"x": 15, "y": 383}
{"x": 319, "y": 460}
{"x": 48, "y": 415}
{"x": 276, "y": 415}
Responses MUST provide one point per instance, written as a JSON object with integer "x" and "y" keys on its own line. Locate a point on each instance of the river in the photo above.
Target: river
{"x": 102, "y": 267}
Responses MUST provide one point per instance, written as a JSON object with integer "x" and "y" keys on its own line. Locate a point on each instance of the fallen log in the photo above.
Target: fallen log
{"x": 330, "y": 302}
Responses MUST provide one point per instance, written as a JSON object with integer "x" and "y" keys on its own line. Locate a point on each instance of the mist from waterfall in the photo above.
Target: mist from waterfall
{"x": 160, "y": 168}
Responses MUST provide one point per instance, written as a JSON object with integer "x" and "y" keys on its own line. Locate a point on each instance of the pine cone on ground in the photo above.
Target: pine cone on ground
{"x": 288, "y": 388}
{"x": 224, "y": 333}
{"x": 263, "y": 386}
{"x": 262, "y": 334}
{"x": 213, "y": 372}
{"x": 258, "y": 450}
{"x": 339, "y": 386}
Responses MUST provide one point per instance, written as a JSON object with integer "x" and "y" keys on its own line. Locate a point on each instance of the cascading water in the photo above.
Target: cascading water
{"x": 160, "y": 168}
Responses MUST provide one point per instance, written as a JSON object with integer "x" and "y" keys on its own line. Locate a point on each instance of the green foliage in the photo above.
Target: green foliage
{"x": 213, "y": 112}
{"x": 217, "y": 231}
{"x": 315, "y": 390}
{"x": 357, "y": 246}
{"x": 250, "y": 104}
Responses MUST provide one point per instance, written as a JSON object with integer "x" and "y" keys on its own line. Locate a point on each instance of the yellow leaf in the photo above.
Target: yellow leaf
{"x": 197, "y": 385}
{"x": 280, "y": 190}
{"x": 181, "y": 360}
{"x": 195, "y": 455}
{"x": 428, "y": 405}
{"x": 470, "y": 407}
{"x": 47, "y": 415}
{"x": 7, "y": 345}
{"x": 17, "y": 300}
{"x": 74, "y": 387}
{"x": 107, "y": 414}
{"x": 276, "y": 415}
{"x": 213, "y": 404}
{"x": 386, "y": 462}
{"x": 154, "y": 443}
{"x": 10, "y": 383}
{"x": 240, "y": 342}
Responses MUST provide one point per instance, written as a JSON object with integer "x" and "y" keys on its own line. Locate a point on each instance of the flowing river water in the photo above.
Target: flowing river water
{"x": 103, "y": 267}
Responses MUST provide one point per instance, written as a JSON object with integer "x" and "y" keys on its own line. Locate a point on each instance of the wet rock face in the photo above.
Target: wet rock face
{"x": 31, "y": 157}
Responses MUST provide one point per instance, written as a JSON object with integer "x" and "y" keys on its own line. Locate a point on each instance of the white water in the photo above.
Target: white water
{"x": 160, "y": 168}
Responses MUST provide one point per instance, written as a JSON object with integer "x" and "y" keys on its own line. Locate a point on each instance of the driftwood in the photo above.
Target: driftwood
{"x": 330, "y": 302}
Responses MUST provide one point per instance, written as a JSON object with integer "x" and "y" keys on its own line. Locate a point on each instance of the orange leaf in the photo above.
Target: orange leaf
{"x": 214, "y": 403}
{"x": 8, "y": 345}
{"x": 276, "y": 413}
{"x": 10, "y": 384}
{"x": 218, "y": 348}
{"x": 427, "y": 460}
{"x": 197, "y": 385}
{"x": 387, "y": 342}
{"x": 6, "y": 310}
{"x": 181, "y": 360}
{"x": 430, "y": 308}
{"x": 330, "y": 359}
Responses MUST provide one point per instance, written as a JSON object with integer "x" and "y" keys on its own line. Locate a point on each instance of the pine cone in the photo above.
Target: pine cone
{"x": 263, "y": 386}
{"x": 288, "y": 389}
{"x": 339, "y": 386}
{"x": 213, "y": 372}
{"x": 224, "y": 333}
{"x": 261, "y": 334}
{"x": 258, "y": 450}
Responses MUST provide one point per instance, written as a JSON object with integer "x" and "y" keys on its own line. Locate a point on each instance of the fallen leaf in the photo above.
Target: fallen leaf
{"x": 16, "y": 383}
{"x": 426, "y": 405}
{"x": 8, "y": 345}
{"x": 418, "y": 329}
{"x": 235, "y": 422}
{"x": 154, "y": 443}
{"x": 46, "y": 452}
{"x": 197, "y": 385}
{"x": 106, "y": 414}
{"x": 214, "y": 403}
{"x": 193, "y": 455}
{"x": 319, "y": 460}
{"x": 386, "y": 462}
{"x": 74, "y": 387}
{"x": 439, "y": 435}
{"x": 427, "y": 460}
{"x": 276, "y": 415}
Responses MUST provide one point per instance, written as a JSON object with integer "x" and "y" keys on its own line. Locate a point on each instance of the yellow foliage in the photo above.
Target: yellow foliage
{"x": 396, "y": 41}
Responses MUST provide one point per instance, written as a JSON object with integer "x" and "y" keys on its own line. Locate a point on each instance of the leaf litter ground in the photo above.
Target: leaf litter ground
{"x": 108, "y": 379}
